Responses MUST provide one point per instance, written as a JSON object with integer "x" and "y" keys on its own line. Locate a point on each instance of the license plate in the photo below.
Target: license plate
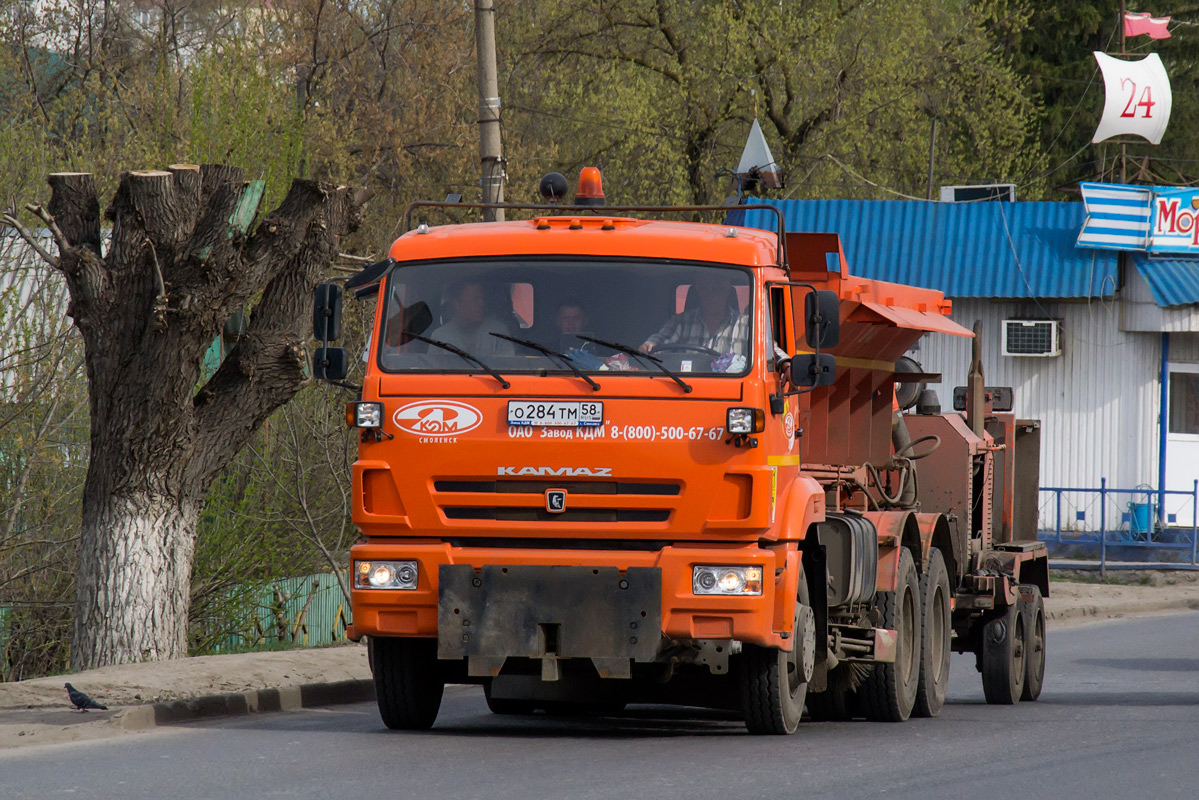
{"x": 557, "y": 412}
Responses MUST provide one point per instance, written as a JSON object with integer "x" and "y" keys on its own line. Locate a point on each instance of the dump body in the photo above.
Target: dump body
{"x": 599, "y": 530}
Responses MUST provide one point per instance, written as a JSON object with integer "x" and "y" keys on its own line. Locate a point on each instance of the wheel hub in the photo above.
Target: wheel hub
{"x": 805, "y": 641}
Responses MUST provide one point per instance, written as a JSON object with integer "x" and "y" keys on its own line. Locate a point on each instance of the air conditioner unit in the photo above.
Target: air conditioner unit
{"x": 974, "y": 194}
{"x": 1032, "y": 337}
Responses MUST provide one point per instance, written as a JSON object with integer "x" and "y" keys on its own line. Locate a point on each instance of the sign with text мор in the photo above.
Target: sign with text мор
{"x": 1148, "y": 218}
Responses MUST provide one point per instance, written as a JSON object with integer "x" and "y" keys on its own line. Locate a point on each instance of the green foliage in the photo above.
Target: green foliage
{"x": 43, "y": 460}
{"x": 663, "y": 94}
{"x": 243, "y": 113}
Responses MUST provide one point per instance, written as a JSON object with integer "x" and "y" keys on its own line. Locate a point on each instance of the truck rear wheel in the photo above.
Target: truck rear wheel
{"x": 889, "y": 694}
{"x": 935, "y": 629}
{"x": 774, "y": 682}
{"x": 408, "y": 683}
{"x": 1033, "y": 608}
{"x": 1003, "y": 657}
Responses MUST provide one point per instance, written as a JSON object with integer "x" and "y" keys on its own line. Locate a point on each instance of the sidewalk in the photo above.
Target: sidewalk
{"x": 141, "y": 696}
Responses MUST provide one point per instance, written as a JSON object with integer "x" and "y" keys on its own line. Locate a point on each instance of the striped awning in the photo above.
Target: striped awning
{"x": 1117, "y": 216}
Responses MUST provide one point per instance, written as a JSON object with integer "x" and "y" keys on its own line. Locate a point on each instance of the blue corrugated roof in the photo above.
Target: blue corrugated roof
{"x": 1174, "y": 282}
{"x": 992, "y": 249}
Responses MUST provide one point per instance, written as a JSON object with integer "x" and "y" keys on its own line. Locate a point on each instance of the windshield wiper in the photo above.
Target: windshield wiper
{"x": 562, "y": 357}
{"x": 640, "y": 356}
{"x": 458, "y": 351}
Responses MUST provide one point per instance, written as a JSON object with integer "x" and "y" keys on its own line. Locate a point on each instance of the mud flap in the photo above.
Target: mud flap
{"x": 548, "y": 613}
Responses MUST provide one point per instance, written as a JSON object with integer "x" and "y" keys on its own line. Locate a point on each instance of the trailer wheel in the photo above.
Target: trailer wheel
{"x": 889, "y": 694}
{"x": 1034, "y": 621}
{"x": 935, "y": 629}
{"x": 506, "y": 706}
{"x": 774, "y": 682}
{"x": 1003, "y": 657}
{"x": 408, "y": 683}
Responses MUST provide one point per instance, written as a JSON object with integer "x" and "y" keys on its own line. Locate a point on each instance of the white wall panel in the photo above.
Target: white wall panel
{"x": 1097, "y": 401}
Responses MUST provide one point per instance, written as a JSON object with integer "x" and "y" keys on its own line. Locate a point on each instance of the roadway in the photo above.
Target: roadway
{"x": 1119, "y": 718}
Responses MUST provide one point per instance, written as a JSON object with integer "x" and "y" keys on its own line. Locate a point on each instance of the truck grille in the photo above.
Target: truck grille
{"x": 572, "y": 487}
{"x": 532, "y": 507}
{"x": 541, "y": 515}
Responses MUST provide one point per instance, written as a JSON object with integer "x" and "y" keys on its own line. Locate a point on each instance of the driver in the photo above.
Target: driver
{"x": 715, "y": 323}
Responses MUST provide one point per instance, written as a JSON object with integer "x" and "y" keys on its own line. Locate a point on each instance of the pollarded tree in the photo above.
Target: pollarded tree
{"x": 179, "y": 261}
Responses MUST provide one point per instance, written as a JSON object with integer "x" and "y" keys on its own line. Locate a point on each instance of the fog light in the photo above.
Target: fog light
{"x": 364, "y": 415}
{"x": 732, "y": 580}
{"x": 745, "y": 420}
{"x": 385, "y": 574}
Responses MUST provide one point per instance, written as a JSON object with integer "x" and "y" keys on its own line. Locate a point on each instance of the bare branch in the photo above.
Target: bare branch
{"x": 48, "y": 218}
{"x": 29, "y": 238}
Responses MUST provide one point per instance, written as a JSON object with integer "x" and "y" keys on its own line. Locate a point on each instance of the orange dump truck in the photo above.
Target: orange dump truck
{"x": 608, "y": 460}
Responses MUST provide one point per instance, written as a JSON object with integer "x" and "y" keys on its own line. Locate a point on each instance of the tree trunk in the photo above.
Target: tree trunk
{"x": 134, "y": 578}
{"x": 179, "y": 261}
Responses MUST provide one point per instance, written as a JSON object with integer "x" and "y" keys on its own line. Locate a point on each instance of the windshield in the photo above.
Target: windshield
{"x": 689, "y": 318}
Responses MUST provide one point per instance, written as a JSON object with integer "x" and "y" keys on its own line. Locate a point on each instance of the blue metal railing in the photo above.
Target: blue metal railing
{"x": 1147, "y": 520}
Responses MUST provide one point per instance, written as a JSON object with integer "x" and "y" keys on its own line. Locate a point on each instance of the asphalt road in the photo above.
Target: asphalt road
{"x": 1119, "y": 718}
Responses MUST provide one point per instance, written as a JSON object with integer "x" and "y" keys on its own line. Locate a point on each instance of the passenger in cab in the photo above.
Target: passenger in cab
{"x": 571, "y": 318}
{"x": 470, "y": 325}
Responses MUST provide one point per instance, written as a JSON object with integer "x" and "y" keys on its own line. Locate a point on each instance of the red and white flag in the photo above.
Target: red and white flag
{"x": 1140, "y": 23}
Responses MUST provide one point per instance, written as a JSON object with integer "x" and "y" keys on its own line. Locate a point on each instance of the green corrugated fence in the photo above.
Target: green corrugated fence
{"x": 307, "y": 611}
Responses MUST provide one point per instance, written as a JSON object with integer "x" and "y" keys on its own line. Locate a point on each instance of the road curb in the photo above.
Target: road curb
{"x": 287, "y": 698}
{"x": 1094, "y": 611}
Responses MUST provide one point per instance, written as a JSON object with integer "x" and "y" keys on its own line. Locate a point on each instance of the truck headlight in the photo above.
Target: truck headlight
{"x": 745, "y": 420}
{"x": 385, "y": 574}
{"x": 364, "y": 415}
{"x": 726, "y": 580}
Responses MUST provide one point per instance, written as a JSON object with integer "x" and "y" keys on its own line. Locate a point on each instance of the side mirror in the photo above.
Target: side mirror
{"x": 326, "y": 312}
{"x": 330, "y": 364}
{"x": 822, "y": 318}
{"x": 810, "y": 369}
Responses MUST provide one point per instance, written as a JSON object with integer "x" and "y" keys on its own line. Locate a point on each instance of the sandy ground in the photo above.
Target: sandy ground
{"x": 36, "y": 712}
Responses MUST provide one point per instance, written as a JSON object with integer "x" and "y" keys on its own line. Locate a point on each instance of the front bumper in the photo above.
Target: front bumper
{"x": 758, "y": 619}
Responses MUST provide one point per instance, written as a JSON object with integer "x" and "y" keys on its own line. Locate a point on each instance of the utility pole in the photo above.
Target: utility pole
{"x": 1123, "y": 146}
{"x": 490, "y": 155}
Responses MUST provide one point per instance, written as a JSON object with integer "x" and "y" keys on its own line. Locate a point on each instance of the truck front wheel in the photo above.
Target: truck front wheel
{"x": 889, "y": 694}
{"x": 774, "y": 682}
{"x": 408, "y": 682}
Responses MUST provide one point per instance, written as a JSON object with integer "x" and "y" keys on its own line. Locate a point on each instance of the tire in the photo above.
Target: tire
{"x": 1033, "y": 608}
{"x": 889, "y": 694}
{"x": 1003, "y": 657}
{"x": 774, "y": 683}
{"x": 935, "y": 630}
{"x": 501, "y": 706}
{"x": 834, "y": 704}
{"x": 408, "y": 683}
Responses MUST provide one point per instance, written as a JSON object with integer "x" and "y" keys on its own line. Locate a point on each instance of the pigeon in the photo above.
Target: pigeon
{"x": 81, "y": 701}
